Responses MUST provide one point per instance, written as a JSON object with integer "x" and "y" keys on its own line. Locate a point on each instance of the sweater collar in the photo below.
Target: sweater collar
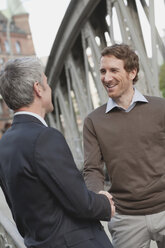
{"x": 137, "y": 97}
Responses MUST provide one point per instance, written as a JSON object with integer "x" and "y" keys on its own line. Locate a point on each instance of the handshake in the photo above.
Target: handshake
{"x": 109, "y": 196}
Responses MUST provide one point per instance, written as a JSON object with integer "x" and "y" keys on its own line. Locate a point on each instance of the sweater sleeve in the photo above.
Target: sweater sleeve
{"x": 93, "y": 163}
{"x": 57, "y": 170}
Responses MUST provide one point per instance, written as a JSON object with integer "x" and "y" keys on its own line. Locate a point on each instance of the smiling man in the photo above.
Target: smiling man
{"x": 127, "y": 135}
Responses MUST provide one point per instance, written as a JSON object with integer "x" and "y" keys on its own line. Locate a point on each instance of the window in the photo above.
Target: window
{"x": 7, "y": 47}
{"x": 18, "y": 47}
{"x": 1, "y": 61}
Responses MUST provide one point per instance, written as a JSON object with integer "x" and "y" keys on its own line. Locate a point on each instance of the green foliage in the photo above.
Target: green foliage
{"x": 162, "y": 79}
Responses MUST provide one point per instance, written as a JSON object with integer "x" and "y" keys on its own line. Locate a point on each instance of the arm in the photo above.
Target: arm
{"x": 57, "y": 170}
{"x": 93, "y": 162}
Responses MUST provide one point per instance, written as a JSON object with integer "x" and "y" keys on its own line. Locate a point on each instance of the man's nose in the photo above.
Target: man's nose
{"x": 108, "y": 77}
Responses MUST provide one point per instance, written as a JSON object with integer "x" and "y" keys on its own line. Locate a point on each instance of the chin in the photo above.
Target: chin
{"x": 50, "y": 109}
{"x": 112, "y": 95}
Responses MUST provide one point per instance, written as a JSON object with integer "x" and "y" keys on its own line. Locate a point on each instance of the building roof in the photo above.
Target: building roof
{"x": 13, "y": 27}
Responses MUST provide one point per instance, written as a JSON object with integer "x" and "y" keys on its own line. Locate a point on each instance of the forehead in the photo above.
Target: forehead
{"x": 111, "y": 61}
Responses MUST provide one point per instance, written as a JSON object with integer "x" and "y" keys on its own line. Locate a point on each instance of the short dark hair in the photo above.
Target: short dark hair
{"x": 125, "y": 53}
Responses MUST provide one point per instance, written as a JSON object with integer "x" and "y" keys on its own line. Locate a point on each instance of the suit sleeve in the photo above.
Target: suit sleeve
{"x": 56, "y": 169}
{"x": 93, "y": 162}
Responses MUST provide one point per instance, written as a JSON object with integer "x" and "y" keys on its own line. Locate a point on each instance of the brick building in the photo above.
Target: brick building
{"x": 15, "y": 41}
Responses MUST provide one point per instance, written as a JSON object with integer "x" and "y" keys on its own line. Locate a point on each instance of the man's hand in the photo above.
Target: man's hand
{"x": 109, "y": 196}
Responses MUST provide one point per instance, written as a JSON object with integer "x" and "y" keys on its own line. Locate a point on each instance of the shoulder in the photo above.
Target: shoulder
{"x": 94, "y": 118}
{"x": 49, "y": 134}
{"x": 155, "y": 102}
{"x": 100, "y": 111}
{"x": 155, "y": 99}
{"x": 51, "y": 141}
{"x": 52, "y": 146}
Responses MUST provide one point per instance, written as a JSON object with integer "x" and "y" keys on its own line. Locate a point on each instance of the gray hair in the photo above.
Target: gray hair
{"x": 17, "y": 79}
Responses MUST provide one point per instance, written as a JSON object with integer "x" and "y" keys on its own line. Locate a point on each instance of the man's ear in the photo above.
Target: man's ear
{"x": 132, "y": 74}
{"x": 37, "y": 89}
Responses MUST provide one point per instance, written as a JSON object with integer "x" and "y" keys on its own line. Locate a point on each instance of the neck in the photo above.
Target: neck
{"x": 32, "y": 110}
{"x": 125, "y": 100}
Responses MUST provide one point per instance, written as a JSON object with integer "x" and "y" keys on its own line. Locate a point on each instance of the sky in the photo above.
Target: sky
{"x": 45, "y": 17}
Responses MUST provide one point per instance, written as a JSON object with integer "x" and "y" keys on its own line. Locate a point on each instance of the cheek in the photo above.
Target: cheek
{"x": 120, "y": 78}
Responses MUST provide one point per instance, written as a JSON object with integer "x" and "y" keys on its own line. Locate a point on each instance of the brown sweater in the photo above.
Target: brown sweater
{"x": 132, "y": 145}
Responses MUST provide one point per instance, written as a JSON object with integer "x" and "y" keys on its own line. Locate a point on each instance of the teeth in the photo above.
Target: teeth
{"x": 110, "y": 86}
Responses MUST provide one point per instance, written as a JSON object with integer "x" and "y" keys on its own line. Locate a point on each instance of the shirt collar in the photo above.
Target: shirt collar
{"x": 33, "y": 114}
{"x": 137, "y": 97}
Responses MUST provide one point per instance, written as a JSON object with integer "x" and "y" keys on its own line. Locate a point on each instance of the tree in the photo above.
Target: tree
{"x": 162, "y": 79}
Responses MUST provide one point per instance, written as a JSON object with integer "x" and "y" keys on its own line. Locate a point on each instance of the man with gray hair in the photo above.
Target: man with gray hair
{"x": 42, "y": 185}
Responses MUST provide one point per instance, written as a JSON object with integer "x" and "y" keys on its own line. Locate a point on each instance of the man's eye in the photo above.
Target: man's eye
{"x": 114, "y": 70}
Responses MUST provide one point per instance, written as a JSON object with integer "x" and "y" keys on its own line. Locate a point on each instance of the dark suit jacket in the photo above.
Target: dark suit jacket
{"x": 46, "y": 192}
